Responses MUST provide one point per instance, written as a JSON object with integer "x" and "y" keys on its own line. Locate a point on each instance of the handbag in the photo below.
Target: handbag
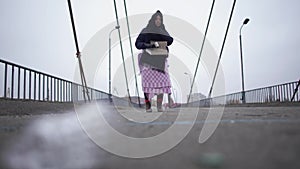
{"x": 154, "y": 61}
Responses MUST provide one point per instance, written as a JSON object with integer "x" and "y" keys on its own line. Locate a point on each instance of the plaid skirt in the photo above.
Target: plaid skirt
{"x": 154, "y": 81}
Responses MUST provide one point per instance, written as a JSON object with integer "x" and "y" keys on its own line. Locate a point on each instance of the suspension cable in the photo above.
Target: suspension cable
{"x": 121, "y": 46}
{"x": 202, "y": 45}
{"x": 133, "y": 63}
{"x": 295, "y": 91}
{"x": 214, "y": 78}
{"x": 78, "y": 54}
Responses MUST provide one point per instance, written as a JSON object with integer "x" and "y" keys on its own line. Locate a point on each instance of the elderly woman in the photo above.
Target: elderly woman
{"x": 154, "y": 81}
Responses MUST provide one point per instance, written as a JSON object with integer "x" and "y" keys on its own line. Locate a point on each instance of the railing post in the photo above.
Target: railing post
{"x": 68, "y": 91}
{"x": 39, "y": 86}
{"x": 270, "y": 94}
{"x": 54, "y": 91}
{"x": 19, "y": 71}
{"x": 60, "y": 90}
{"x": 24, "y": 85}
{"x": 290, "y": 91}
{"x": 278, "y": 92}
{"x": 5, "y": 80}
{"x": 44, "y": 88}
{"x": 12, "y": 81}
{"x": 30, "y": 85}
{"x": 34, "y": 86}
{"x": 90, "y": 91}
{"x": 51, "y": 89}
{"x": 47, "y": 88}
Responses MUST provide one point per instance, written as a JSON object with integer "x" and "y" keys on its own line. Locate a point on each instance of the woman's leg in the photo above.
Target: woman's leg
{"x": 159, "y": 102}
{"x": 170, "y": 100}
{"x": 147, "y": 102}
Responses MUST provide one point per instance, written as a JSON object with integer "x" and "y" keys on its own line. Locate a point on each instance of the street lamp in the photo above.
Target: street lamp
{"x": 109, "y": 61}
{"x": 190, "y": 82}
{"x": 242, "y": 67}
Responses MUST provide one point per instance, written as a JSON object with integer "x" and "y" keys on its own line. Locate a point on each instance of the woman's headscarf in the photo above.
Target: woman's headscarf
{"x": 152, "y": 28}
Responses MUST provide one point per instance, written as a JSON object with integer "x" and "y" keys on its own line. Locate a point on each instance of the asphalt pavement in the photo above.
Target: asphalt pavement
{"x": 56, "y": 135}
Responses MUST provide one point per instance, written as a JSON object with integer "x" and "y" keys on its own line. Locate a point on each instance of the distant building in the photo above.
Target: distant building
{"x": 196, "y": 97}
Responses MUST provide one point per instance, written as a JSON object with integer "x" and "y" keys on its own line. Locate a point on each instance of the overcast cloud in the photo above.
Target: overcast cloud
{"x": 38, "y": 34}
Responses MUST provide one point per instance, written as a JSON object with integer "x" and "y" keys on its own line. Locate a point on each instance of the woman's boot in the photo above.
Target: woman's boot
{"x": 159, "y": 102}
{"x": 148, "y": 103}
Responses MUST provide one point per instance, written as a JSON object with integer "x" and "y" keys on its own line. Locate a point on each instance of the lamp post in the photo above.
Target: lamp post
{"x": 189, "y": 97}
{"x": 109, "y": 62}
{"x": 175, "y": 95}
{"x": 242, "y": 66}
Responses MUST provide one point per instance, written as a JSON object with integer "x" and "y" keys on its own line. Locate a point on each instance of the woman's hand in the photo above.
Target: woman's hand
{"x": 148, "y": 45}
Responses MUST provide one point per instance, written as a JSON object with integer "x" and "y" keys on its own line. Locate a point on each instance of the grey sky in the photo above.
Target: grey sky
{"x": 38, "y": 34}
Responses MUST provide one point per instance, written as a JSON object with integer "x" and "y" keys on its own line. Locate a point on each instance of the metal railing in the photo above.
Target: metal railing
{"x": 287, "y": 92}
{"x": 277, "y": 93}
{"x": 19, "y": 82}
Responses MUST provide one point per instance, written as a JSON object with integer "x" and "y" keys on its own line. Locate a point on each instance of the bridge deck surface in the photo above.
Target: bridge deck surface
{"x": 50, "y": 136}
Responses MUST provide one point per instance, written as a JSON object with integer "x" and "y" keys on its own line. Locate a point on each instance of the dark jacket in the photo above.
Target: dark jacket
{"x": 147, "y": 35}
